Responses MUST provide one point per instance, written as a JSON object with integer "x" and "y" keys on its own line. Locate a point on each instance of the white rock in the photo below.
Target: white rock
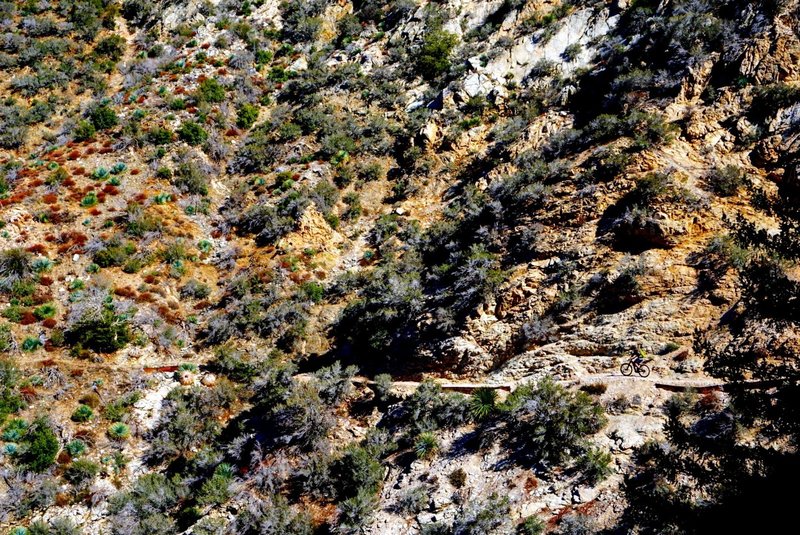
{"x": 583, "y": 494}
{"x": 209, "y": 379}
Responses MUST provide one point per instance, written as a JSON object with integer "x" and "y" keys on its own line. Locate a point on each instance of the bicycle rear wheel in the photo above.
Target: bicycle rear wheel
{"x": 644, "y": 370}
{"x": 626, "y": 369}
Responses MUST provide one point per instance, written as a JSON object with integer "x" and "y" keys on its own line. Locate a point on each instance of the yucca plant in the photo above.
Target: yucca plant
{"x": 83, "y": 413}
{"x": 119, "y": 431}
{"x": 426, "y": 446}
{"x": 483, "y": 402}
{"x": 15, "y": 265}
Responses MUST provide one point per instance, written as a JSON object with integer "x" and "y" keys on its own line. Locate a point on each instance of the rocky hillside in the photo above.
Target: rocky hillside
{"x": 372, "y": 266}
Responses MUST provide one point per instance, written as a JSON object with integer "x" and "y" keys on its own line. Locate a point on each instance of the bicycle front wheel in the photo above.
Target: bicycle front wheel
{"x": 626, "y": 369}
{"x": 644, "y": 370}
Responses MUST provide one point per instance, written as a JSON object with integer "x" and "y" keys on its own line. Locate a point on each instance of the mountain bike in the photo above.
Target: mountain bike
{"x": 632, "y": 365}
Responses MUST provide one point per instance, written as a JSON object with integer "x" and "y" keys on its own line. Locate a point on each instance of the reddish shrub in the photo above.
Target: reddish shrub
{"x": 28, "y": 393}
{"x": 106, "y": 150}
{"x": 49, "y": 198}
{"x": 35, "y": 183}
{"x": 135, "y": 171}
{"x": 74, "y": 155}
{"x": 28, "y": 319}
{"x": 232, "y": 132}
{"x": 79, "y": 238}
{"x": 95, "y": 212}
{"x": 126, "y": 291}
{"x": 145, "y": 297}
{"x": 37, "y": 249}
{"x": 141, "y": 99}
{"x": 49, "y": 323}
{"x": 44, "y": 280}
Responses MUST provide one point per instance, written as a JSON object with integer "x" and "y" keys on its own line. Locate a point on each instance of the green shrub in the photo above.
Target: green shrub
{"x": 216, "y": 490}
{"x": 414, "y": 500}
{"x": 548, "y": 422}
{"x": 313, "y": 291}
{"x": 159, "y": 135}
{"x": 103, "y": 118}
{"x": 118, "y": 408}
{"x": 768, "y": 99}
{"x": 356, "y": 512}
{"x": 195, "y": 290}
{"x": 10, "y": 401}
{"x": 13, "y": 131}
{"x": 6, "y": 339}
{"x": 485, "y": 517}
{"x": 210, "y": 90}
{"x": 84, "y": 130}
{"x": 177, "y": 104}
{"x": 174, "y": 251}
{"x": 112, "y": 47}
{"x": 246, "y": 116}
{"x": 191, "y": 178}
{"x": 103, "y": 331}
{"x": 726, "y": 181}
{"x": 192, "y": 133}
{"x": 355, "y": 471}
{"x": 115, "y": 253}
{"x": 595, "y": 465}
{"x": 433, "y": 58}
{"x": 83, "y": 413}
{"x": 532, "y": 525}
{"x": 81, "y": 472}
{"x": 41, "y": 446}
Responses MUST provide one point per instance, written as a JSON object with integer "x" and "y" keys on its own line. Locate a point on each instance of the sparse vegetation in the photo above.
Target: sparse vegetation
{"x": 220, "y": 220}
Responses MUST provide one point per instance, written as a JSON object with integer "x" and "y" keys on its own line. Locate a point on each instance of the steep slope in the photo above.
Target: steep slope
{"x": 221, "y": 219}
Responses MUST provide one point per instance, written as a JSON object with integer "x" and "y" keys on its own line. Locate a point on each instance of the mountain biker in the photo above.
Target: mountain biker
{"x": 639, "y": 357}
